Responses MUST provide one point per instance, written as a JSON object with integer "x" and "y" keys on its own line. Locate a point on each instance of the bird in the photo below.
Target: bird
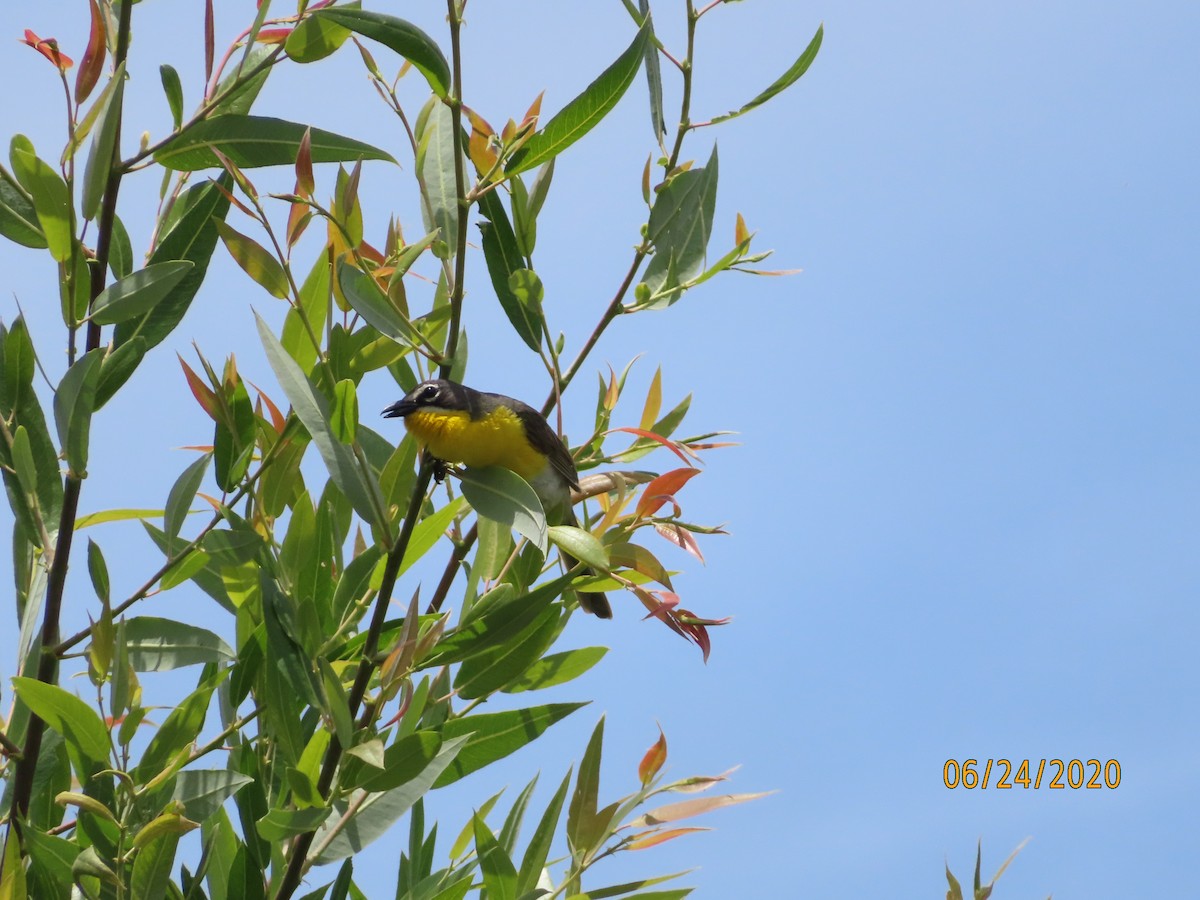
{"x": 454, "y": 423}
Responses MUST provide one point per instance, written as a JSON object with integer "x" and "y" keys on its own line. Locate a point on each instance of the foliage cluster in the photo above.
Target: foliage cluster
{"x": 334, "y": 717}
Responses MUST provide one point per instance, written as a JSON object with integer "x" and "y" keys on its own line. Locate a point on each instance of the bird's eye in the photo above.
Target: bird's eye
{"x": 429, "y": 392}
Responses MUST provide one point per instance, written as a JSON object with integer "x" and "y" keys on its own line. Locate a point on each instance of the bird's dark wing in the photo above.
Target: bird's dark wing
{"x": 543, "y": 438}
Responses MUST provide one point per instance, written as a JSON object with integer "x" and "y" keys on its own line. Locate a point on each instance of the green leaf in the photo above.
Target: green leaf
{"x": 22, "y": 460}
{"x": 253, "y": 141}
{"x": 405, "y": 38}
{"x": 403, "y": 761}
{"x": 73, "y": 404}
{"x": 492, "y": 670}
{"x": 680, "y": 227}
{"x": 254, "y": 260}
{"x": 378, "y": 812}
{"x": 138, "y": 293}
{"x": 98, "y": 571}
{"x": 279, "y": 824}
{"x": 19, "y": 365}
{"x": 173, "y": 88}
{"x": 239, "y": 100}
{"x": 18, "y": 219}
{"x": 583, "y": 828}
{"x": 152, "y": 866}
{"x": 557, "y": 668}
{"x": 120, "y": 250}
{"x": 156, "y": 645}
{"x": 66, "y": 714}
{"x": 494, "y": 736}
{"x": 181, "y": 726}
{"x": 314, "y": 38}
{"x": 105, "y": 144}
{"x": 13, "y": 883}
{"x": 583, "y": 545}
{"x": 50, "y": 859}
{"x": 179, "y": 500}
{"x": 653, "y": 79}
{"x": 366, "y": 299}
{"x": 504, "y": 260}
{"x": 583, "y": 113}
{"x": 784, "y": 81}
{"x": 538, "y": 850}
{"x": 505, "y": 497}
{"x": 203, "y": 791}
{"x": 499, "y": 873}
{"x": 50, "y": 196}
{"x": 429, "y": 531}
{"x": 436, "y": 147}
{"x": 312, "y": 410}
{"x": 192, "y": 236}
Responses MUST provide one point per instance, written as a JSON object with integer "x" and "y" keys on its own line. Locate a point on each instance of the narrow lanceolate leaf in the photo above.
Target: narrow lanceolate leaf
{"x": 203, "y": 791}
{"x": 66, "y": 714}
{"x": 583, "y": 828}
{"x": 312, "y": 410}
{"x": 437, "y": 145}
{"x": 156, "y": 645}
{"x": 252, "y": 141}
{"x": 192, "y": 236}
{"x": 139, "y": 292}
{"x": 673, "y": 812}
{"x": 505, "y": 497}
{"x": 680, "y": 227}
{"x": 583, "y": 545}
{"x": 179, "y": 500}
{"x": 557, "y": 668}
{"x": 18, "y": 218}
{"x": 368, "y": 300}
{"x": 51, "y": 199}
{"x": 499, "y": 873}
{"x": 503, "y": 258}
{"x": 344, "y": 418}
{"x": 105, "y": 146}
{"x": 495, "y": 735}
{"x": 653, "y": 80}
{"x": 173, "y": 88}
{"x": 539, "y": 845}
{"x": 92, "y": 63}
{"x": 376, "y": 814}
{"x": 583, "y": 113}
{"x": 74, "y": 402}
{"x": 405, "y": 38}
{"x": 254, "y": 260}
{"x": 784, "y": 81}
{"x": 653, "y": 761}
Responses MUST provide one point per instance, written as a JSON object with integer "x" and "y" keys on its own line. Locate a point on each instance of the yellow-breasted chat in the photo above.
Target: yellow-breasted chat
{"x": 458, "y": 424}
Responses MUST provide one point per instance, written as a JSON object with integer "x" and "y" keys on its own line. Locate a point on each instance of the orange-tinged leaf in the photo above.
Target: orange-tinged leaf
{"x": 741, "y": 234}
{"x": 216, "y": 504}
{"x": 305, "y": 183}
{"x": 298, "y": 218}
{"x": 92, "y": 63}
{"x": 614, "y": 393}
{"x": 369, "y": 253}
{"x": 228, "y": 195}
{"x": 653, "y": 761}
{"x": 662, "y": 489}
{"x": 254, "y": 260}
{"x": 483, "y": 155}
{"x": 534, "y": 111}
{"x": 685, "y": 809}
{"x": 48, "y": 47}
{"x": 653, "y": 838}
{"x": 680, "y": 537}
{"x": 653, "y": 402}
{"x": 205, "y": 397}
{"x": 272, "y": 35}
{"x": 674, "y": 446}
{"x": 278, "y": 419}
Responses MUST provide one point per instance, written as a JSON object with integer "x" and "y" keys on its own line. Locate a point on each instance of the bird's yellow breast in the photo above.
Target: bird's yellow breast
{"x": 495, "y": 439}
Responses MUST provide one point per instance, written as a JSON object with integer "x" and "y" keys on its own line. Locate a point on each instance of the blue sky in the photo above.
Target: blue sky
{"x": 963, "y": 513}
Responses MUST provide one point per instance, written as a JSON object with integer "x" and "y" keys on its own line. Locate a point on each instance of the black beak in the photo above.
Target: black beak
{"x": 399, "y": 409}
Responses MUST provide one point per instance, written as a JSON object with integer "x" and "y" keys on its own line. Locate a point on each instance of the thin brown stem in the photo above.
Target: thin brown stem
{"x": 47, "y": 668}
{"x": 460, "y": 183}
